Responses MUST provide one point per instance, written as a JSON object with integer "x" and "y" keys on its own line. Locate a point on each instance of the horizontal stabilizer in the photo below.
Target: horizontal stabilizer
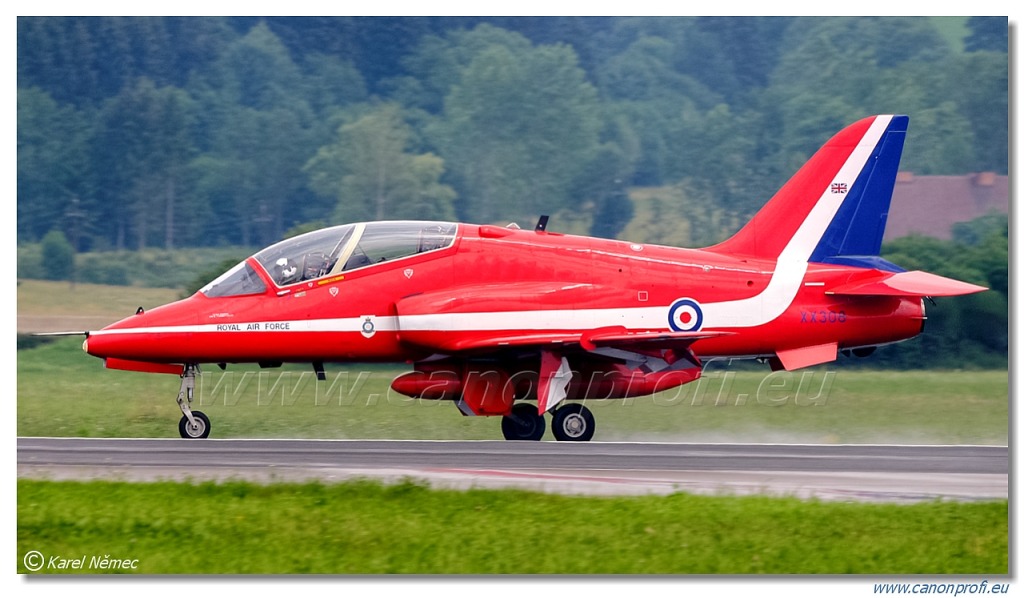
{"x": 915, "y": 283}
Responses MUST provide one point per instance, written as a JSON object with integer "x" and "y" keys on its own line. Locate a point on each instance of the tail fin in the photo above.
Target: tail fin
{"x": 834, "y": 208}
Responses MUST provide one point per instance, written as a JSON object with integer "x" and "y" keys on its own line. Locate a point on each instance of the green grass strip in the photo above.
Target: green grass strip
{"x": 64, "y": 392}
{"x": 369, "y": 528}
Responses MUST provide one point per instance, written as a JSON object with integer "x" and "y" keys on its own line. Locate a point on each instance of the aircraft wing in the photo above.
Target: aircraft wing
{"x": 913, "y": 283}
{"x": 488, "y": 341}
{"x": 478, "y": 320}
{"x": 644, "y": 340}
{"x": 587, "y": 340}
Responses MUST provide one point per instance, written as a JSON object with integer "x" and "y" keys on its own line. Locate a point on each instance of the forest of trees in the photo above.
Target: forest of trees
{"x": 138, "y": 132}
{"x": 152, "y": 133}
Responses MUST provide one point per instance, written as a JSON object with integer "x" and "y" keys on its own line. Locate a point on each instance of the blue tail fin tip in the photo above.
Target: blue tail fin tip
{"x": 859, "y": 224}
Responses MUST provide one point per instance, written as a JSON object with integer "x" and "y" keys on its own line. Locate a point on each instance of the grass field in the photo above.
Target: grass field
{"x": 49, "y": 306}
{"x": 64, "y": 392}
{"x": 366, "y": 528}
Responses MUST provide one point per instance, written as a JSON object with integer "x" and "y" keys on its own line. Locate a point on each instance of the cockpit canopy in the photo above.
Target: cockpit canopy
{"x": 332, "y": 251}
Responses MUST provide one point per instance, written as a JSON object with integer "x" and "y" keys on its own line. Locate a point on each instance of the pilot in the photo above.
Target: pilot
{"x": 286, "y": 272}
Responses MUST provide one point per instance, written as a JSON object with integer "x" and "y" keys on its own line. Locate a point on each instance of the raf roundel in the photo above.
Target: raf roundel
{"x": 685, "y": 315}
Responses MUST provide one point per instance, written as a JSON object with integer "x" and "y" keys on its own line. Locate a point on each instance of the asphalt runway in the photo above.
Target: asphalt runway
{"x": 899, "y": 473}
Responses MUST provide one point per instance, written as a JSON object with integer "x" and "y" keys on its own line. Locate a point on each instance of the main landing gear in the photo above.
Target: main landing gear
{"x": 524, "y": 423}
{"x": 193, "y": 424}
{"x": 572, "y": 422}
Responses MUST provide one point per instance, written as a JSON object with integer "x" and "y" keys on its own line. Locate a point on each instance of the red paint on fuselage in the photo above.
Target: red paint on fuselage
{"x": 511, "y": 271}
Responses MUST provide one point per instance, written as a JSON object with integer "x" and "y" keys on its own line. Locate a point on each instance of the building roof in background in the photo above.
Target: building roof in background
{"x": 931, "y": 205}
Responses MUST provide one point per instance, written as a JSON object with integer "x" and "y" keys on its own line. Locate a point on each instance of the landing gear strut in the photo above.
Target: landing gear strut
{"x": 193, "y": 424}
{"x": 573, "y": 422}
{"x": 524, "y": 423}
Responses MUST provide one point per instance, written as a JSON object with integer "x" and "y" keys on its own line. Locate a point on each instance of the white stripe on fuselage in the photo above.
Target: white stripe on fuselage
{"x": 791, "y": 266}
{"x": 380, "y": 323}
{"x": 762, "y": 308}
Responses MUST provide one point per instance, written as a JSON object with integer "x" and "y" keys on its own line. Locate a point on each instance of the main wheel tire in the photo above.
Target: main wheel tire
{"x": 573, "y": 422}
{"x": 524, "y": 423}
{"x": 200, "y": 430}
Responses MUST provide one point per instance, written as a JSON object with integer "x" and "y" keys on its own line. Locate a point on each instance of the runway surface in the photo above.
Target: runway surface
{"x": 851, "y": 472}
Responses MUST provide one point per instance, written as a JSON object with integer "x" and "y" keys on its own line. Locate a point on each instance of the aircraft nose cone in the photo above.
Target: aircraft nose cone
{"x": 158, "y": 335}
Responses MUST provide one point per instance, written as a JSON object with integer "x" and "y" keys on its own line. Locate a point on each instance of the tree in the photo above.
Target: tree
{"x": 643, "y": 88}
{"x": 969, "y": 330}
{"x": 174, "y": 149}
{"x": 85, "y": 60}
{"x": 142, "y": 148}
{"x": 53, "y": 162}
{"x": 127, "y": 123}
{"x": 751, "y": 47}
{"x": 331, "y": 83}
{"x": 58, "y": 256}
{"x": 372, "y": 176}
{"x": 940, "y": 141}
{"x": 257, "y": 132}
{"x": 603, "y": 183}
{"x": 987, "y": 240}
{"x": 974, "y": 232}
{"x": 716, "y": 154}
{"x": 255, "y": 71}
{"x": 988, "y": 34}
{"x": 251, "y": 180}
{"x": 981, "y": 94}
{"x": 436, "y": 65}
{"x": 517, "y": 130}
{"x": 838, "y": 70}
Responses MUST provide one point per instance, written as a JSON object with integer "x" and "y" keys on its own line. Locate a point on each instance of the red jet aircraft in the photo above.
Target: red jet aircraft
{"x": 494, "y": 318}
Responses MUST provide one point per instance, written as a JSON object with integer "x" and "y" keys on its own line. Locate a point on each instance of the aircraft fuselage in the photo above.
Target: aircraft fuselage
{"x": 493, "y": 280}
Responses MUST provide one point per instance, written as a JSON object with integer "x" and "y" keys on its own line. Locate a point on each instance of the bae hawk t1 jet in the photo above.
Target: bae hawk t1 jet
{"x": 524, "y": 323}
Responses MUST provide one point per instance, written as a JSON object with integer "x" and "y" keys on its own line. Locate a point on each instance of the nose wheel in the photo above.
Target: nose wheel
{"x": 198, "y": 427}
{"x": 193, "y": 424}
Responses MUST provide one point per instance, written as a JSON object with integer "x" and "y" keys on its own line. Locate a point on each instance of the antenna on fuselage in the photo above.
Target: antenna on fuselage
{"x": 542, "y": 224}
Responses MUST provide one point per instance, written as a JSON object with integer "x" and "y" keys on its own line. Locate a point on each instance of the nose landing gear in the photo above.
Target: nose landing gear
{"x": 193, "y": 424}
